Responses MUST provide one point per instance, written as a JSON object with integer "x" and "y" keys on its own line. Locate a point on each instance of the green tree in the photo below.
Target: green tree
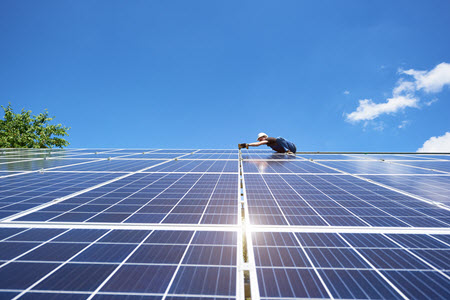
{"x": 26, "y": 131}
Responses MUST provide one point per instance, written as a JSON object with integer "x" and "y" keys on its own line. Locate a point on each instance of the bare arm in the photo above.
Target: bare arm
{"x": 256, "y": 144}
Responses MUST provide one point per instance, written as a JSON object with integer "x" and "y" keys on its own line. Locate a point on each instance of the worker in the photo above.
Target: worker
{"x": 278, "y": 144}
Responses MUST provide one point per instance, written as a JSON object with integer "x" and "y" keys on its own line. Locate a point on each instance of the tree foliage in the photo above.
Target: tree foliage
{"x": 26, "y": 131}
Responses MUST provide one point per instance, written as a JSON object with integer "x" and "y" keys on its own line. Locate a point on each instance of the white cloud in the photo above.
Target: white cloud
{"x": 368, "y": 110}
{"x": 404, "y": 87}
{"x": 431, "y": 81}
{"x": 403, "y": 124}
{"x": 428, "y": 103}
{"x": 404, "y": 93}
{"x": 346, "y": 92}
{"x": 436, "y": 144}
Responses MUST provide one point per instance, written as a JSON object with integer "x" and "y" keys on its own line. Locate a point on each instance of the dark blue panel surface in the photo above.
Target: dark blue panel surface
{"x": 23, "y": 275}
{"x": 38, "y": 235}
{"x": 125, "y": 236}
{"x": 336, "y": 258}
{"x": 210, "y": 255}
{"x": 114, "y": 165}
{"x": 151, "y": 198}
{"x": 198, "y": 166}
{"x": 420, "y": 284}
{"x": 105, "y": 253}
{"x": 19, "y": 193}
{"x": 392, "y": 259}
{"x": 9, "y": 250}
{"x": 290, "y": 283}
{"x": 7, "y": 232}
{"x": 357, "y": 284}
{"x": 278, "y": 256}
{"x": 140, "y": 279}
{"x": 32, "y": 295}
{"x": 80, "y": 261}
{"x": 329, "y": 200}
{"x": 347, "y": 264}
{"x": 223, "y": 283}
{"x": 76, "y": 277}
{"x": 111, "y": 296}
{"x": 54, "y": 252}
{"x": 159, "y": 254}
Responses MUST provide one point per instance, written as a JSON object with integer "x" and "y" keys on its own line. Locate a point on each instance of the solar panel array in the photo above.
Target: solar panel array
{"x": 222, "y": 224}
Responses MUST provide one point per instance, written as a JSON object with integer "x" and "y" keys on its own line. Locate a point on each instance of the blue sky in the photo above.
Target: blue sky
{"x": 211, "y": 74}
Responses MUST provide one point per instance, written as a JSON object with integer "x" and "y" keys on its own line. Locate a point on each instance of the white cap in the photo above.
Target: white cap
{"x": 261, "y": 134}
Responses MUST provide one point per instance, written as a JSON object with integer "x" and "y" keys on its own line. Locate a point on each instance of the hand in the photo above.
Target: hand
{"x": 243, "y": 145}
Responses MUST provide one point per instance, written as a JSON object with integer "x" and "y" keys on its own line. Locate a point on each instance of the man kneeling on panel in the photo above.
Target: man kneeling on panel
{"x": 278, "y": 144}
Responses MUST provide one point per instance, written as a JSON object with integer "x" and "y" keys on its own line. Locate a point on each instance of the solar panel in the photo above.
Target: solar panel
{"x": 334, "y": 200}
{"x": 222, "y": 224}
{"x": 93, "y": 262}
{"x": 19, "y": 193}
{"x": 350, "y": 265}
